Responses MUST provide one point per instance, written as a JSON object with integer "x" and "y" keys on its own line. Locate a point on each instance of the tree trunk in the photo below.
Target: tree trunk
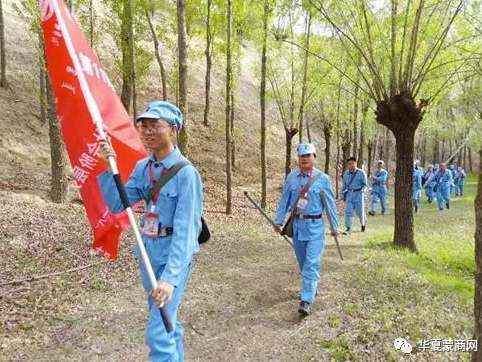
{"x": 289, "y": 134}
{"x": 402, "y": 116}
{"x": 182, "y": 56}
{"x": 361, "y": 154}
{"x": 387, "y": 147}
{"x": 209, "y": 64}
{"x": 470, "y": 160}
{"x": 158, "y": 56}
{"x": 355, "y": 124}
{"x": 442, "y": 151}
{"x": 229, "y": 31}
{"x": 3, "y": 58}
{"x": 477, "y": 356}
{"x": 327, "y": 135}
{"x": 42, "y": 77}
{"x": 233, "y": 144}
{"x": 450, "y": 151}
{"x": 262, "y": 97}
{"x": 379, "y": 147}
{"x": 305, "y": 78}
{"x": 436, "y": 149}
{"x": 464, "y": 159}
{"x": 127, "y": 48}
{"x": 58, "y": 186}
{"x": 370, "y": 151}
{"x": 424, "y": 150}
{"x": 308, "y": 133}
{"x": 345, "y": 145}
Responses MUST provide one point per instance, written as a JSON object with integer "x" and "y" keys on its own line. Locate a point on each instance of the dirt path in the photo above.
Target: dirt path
{"x": 240, "y": 306}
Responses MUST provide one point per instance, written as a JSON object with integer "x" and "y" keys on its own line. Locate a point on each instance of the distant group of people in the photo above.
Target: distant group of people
{"x": 301, "y": 196}
{"x": 439, "y": 183}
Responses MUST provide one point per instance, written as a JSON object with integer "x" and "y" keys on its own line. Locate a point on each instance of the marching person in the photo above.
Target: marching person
{"x": 460, "y": 181}
{"x": 453, "y": 170}
{"x": 444, "y": 182}
{"x": 170, "y": 226}
{"x": 379, "y": 189}
{"x": 416, "y": 187}
{"x": 429, "y": 183}
{"x": 353, "y": 191}
{"x": 302, "y": 196}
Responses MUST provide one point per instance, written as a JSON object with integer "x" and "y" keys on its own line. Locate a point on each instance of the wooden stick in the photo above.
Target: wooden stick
{"x": 45, "y": 276}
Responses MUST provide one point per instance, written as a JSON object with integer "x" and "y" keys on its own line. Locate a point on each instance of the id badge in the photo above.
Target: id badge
{"x": 151, "y": 224}
{"x": 302, "y": 202}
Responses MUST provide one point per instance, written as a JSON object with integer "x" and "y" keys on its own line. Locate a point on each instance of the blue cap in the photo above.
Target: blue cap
{"x": 163, "y": 110}
{"x": 306, "y": 149}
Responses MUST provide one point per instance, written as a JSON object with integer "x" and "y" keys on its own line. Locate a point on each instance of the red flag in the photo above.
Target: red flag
{"x": 78, "y": 129}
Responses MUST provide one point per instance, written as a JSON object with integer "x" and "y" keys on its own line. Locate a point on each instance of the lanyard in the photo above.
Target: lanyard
{"x": 300, "y": 176}
{"x": 153, "y": 181}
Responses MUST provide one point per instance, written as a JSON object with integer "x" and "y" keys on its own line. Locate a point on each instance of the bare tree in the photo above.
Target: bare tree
{"x": 3, "y": 58}
{"x": 229, "y": 76}
{"x": 158, "y": 55}
{"x": 262, "y": 97}
{"x": 209, "y": 62}
{"x": 477, "y": 356}
{"x": 182, "y": 55}
{"x": 395, "y": 83}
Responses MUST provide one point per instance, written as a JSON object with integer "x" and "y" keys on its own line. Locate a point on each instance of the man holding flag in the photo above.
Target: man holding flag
{"x": 92, "y": 119}
{"x": 170, "y": 225}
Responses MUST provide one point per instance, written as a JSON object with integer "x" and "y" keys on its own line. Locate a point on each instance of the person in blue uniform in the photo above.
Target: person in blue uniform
{"x": 453, "y": 170}
{"x": 353, "y": 193}
{"x": 416, "y": 187}
{"x": 302, "y": 195}
{"x": 170, "y": 226}
{"x": 428, "y": 180}
{"x": 444, "y": 182}
{"x": 460, "y": 181}
{"x": 379, "y": 188}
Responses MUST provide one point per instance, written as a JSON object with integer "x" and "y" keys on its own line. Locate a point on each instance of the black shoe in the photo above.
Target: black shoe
{"x": 416, "y": 209}
{"x": 363, "y": 228}
{"x": 304, "y": 308}
{"x": 372, "y": 213}
{"x": 448, "y": 206}
{"x": 347, "y": 232}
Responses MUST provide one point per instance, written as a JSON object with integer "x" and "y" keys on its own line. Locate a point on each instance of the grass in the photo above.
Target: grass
{"x": 423, "y": 295}
{"x": 445, "y": 245}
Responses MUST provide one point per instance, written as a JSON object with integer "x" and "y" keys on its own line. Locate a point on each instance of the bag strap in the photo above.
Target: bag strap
{"x": 170, "y": 173}
{"x": 305, "y": 189}
{"x": 351, "y": 180}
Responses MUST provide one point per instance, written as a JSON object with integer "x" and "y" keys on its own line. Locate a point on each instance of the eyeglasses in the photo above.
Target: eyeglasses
{"x": 142, "y": 128}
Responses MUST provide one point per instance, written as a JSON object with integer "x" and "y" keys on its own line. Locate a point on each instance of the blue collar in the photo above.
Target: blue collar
{"x": 173, "y": 158}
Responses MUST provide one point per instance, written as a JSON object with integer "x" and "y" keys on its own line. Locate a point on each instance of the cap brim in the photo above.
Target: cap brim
{"x": 147, "y": 115}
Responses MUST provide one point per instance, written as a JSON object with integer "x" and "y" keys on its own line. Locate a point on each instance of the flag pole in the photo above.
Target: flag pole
{"x": 97, "y": 118}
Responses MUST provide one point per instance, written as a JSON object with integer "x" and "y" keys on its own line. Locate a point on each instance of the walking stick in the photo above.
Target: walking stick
{"x": 330, "y": 221}
{"x": 266, "y": 216}
{"x": 97, "y": 119}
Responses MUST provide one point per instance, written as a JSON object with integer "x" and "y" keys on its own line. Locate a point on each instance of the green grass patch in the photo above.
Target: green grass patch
{"x": 340, "y": 349}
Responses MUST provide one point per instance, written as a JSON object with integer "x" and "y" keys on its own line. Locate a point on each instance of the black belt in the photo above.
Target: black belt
{"x": 165, "y": 231}
{"x": 354, "y": 190}
{"x": 311, "y": 217}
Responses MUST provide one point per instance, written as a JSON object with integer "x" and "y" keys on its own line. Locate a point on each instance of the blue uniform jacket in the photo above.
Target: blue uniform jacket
{"x": 360, "y": 181}
{"x": 444, "y": 180}
{"x": 380, "y": 180}
{"x": 295, "y": 181}
{"x": 417, "y": 180}
{"x": 179, "y": 206}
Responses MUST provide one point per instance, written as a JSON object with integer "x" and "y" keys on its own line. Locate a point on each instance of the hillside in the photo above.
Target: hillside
{"x": 24, "y": 143}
